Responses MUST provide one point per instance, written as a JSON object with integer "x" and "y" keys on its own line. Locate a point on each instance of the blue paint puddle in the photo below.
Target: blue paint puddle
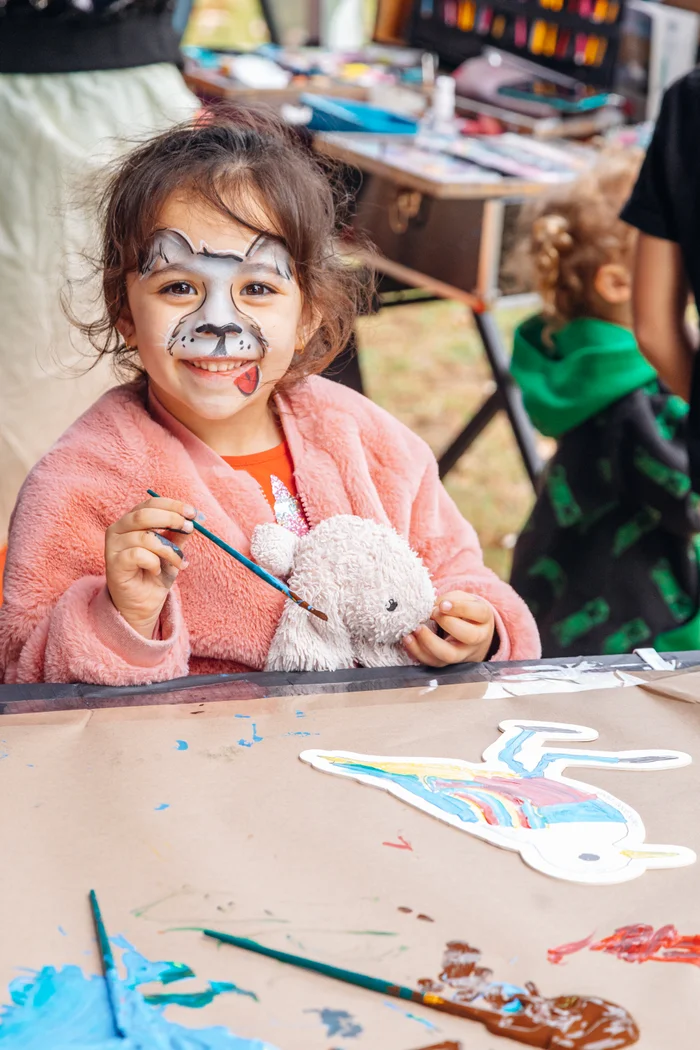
{"x": 255, "y": 739}
{"x": 181, "y": 745}
{"x": 338, "y": 1022}
{"x": 66, "y": 1010}
{"x": 163, "y": 805}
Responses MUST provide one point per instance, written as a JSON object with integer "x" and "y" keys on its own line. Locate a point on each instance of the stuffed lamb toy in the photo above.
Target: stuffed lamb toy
{"x": 374, "y": 589}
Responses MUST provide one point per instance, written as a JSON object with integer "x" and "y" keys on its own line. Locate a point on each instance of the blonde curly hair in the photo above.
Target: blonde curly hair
{"x": 565, "y": 237}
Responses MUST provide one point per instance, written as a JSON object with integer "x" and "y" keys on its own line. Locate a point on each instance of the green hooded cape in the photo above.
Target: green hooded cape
{"x": 589, "y": 365}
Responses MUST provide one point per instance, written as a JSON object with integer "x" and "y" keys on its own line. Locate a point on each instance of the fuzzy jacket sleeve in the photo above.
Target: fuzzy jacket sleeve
{"x": 57, "y": 621}
{"x": 450, "y": 548}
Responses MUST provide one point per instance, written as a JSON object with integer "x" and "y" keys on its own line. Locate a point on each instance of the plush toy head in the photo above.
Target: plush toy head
{"x": 364, "y": 576}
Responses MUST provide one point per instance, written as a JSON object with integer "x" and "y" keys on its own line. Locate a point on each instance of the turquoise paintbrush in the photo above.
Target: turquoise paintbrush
{"x": 257, "y": 569}
{"x": 373, "y": 984}
{"x": 115, "y": 993}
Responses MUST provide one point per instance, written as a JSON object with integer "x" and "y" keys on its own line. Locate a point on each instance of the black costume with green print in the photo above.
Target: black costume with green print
{"x": 607, "y": 561}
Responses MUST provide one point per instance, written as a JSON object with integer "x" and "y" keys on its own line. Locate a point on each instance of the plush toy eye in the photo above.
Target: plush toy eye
{"x": 392, "y": 604}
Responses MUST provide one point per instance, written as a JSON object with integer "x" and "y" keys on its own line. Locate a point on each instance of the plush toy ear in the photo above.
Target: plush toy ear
{"x": 274, "y": 547}
{"x": 302, "y": 642}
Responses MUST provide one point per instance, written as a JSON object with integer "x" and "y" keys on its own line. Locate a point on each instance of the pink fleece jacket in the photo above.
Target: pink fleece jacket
{"x": 58, "y": 623}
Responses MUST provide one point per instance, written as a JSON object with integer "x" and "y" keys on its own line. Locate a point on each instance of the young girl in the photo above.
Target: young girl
{"x": 607, "y": 560}
{"x": 222, "y": 286}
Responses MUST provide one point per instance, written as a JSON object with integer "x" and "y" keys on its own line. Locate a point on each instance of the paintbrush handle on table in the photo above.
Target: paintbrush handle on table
{"x": 263, "y": 574}
{"x": 361, "y": 980}
{"x": 112, "y": 982}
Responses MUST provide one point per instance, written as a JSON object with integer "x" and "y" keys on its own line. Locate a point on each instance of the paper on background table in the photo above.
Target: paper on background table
{"x": 257, "y": 843}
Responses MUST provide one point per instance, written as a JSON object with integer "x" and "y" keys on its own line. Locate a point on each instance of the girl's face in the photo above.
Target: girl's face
{"x": 216, "y": 312}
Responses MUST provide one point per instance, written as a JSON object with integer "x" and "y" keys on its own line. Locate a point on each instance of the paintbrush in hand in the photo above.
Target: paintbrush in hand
{"x": 115, "y": 992}
{"x": 263, "y": 574}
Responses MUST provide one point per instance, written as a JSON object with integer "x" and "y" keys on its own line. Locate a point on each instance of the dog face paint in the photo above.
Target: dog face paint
{"x": 216, "y": 326}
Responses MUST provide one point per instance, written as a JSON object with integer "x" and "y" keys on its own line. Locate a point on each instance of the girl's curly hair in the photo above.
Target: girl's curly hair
{"x": 242, "y": 161}
{"x": 565, "y": 237}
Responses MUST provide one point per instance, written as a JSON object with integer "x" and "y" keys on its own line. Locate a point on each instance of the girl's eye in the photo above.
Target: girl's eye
{"x": 179, "y": 288}
{"x": 257, "y": 289}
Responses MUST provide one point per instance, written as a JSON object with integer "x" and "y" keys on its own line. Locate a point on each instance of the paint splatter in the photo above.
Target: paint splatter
{"x": 255, "y": 738}
{"x": 338, "y": 1022}
{"x": 242, "y": 716}
{"x": 523, "y": 1014}
{"x": 163, "y": 805}
{"x": 302, "y": 733}
{"x": 197, "y": 1000}
{"x": 300, "y": 714}
{"x": 413, "y": 1017}
{"x": 62, "y": 931}
{"x": 638, "y": 944}
{"x": 401, "y": 844}
{"x": 556, "y": 955}
{"x": 181, "y": 745}
{"x": 65, "y": 1008}
{"x": 405, "y": 910}
{"x": 425, "y": 918}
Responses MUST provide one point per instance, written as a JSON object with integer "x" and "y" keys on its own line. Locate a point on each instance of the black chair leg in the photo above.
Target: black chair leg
{"x": 346, "y": 367}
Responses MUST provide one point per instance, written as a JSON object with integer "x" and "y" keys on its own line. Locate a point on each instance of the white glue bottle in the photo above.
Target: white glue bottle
{"x": 438, "y": 123}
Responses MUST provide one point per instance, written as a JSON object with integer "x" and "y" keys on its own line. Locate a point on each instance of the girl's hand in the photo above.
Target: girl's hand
{"x": 142, "y": 559}
{"x": 469, "y": 623}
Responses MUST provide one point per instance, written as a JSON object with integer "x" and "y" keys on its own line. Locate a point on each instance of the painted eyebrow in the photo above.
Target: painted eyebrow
{"x": 170, "y": 268}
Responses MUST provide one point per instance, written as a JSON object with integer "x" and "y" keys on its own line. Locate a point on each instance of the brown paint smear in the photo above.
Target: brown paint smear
{"x": 568, "y": 1021}
{"x": 451, "y": 1045}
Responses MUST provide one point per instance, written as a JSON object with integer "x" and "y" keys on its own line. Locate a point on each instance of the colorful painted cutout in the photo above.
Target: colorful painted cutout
{"x": 518, "y": 799}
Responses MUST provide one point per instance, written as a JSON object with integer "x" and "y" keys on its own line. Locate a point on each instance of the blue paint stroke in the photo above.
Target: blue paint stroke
{"x": 302, "y": 733}
{"x": 256, "y": 739}
{"x": 163, "y": 805}
{"x": 66, "y": 1010}
{"x": 338, "y": 1022}
{"x": 181, "y": 745}
{"x": 300, "y": 714}
{"x": 242, "y": 716}
{"x": 62, "y": 931}
{"x": 413, "y": 1017}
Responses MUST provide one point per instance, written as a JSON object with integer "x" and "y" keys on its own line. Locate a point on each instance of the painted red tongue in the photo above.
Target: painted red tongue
{"x": 248, "y": 381}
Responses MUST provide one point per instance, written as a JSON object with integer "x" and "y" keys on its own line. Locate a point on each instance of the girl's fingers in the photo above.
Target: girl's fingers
{"x": 160, "y": 546}
{"x": 153, "y": 515}
{"x": 463, "y": 631}
{"x": 434, "y": 651}
{"x": 134, "y": 558}
{"x": 464, "y": 607}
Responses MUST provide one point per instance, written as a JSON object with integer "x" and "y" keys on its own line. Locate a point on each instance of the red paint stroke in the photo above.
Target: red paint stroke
{"x": 556, "y": 955}
{"x": 249, "y": 381}
{"x": 401, "y": 844}
{"x": 637, "y": 944}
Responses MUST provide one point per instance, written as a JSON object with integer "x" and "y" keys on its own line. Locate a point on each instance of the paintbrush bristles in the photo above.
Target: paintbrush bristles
{"x": 309, "y": 608}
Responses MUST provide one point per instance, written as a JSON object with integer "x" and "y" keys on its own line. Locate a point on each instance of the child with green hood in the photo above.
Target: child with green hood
{"x": 608, "y": 560}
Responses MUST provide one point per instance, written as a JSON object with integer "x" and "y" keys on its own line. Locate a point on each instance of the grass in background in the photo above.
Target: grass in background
{"x": 424, "y": 363}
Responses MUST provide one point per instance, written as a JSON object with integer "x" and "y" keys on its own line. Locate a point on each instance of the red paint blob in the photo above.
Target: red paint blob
{"x": 249, "y": 381}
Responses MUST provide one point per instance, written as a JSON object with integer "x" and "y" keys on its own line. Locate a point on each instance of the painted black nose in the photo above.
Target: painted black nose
{"x": 215, "y": 329}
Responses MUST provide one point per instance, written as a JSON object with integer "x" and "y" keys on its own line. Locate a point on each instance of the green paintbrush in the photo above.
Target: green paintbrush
{"x": 373, "y": 984}
{"x": 114, "y": 986}
{"x": 263, "y": 574}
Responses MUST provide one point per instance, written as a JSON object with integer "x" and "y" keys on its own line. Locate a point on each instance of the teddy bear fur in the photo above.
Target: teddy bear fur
{"x": 374, "y": 589}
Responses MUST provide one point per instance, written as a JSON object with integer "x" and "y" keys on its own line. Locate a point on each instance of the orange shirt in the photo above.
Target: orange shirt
{"x": 274, "y": 472}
